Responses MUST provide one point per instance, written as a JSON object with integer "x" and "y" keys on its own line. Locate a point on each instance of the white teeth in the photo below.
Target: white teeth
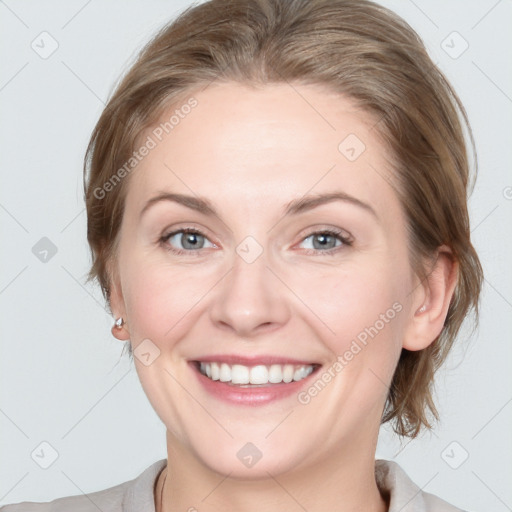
{"x": 225, "y": 373}
{"x": 275, "y": 374}
{"x": 288, "y": 373}
{"x": 257, "y": 375}
{"x": 302, "y": 372}
{"x": 239, "y": 374}
{"x": 215, "y": 371}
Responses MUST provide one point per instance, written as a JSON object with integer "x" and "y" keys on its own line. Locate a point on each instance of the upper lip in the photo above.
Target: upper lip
{"x": 251, "y": 361}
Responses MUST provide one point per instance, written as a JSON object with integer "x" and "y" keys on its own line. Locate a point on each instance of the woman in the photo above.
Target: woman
{"x": 276, "y": 200}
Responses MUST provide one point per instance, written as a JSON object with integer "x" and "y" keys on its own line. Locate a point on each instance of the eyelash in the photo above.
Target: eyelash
{"x": 345, "y": 240}
{"x": 165, "y": 239}
{"x": 340, "y": 235}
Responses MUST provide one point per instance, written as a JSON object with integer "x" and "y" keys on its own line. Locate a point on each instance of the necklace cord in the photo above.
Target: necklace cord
{"x": 162, "y": 492}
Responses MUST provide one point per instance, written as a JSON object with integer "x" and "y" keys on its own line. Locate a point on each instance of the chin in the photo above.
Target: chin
{"x": 244, "y": 468}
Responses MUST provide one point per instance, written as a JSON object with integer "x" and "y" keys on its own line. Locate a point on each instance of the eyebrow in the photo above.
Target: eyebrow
{"x": 294, "y": 207}
{"x": 195, "y": 203}
{"x": 309, "y": 202}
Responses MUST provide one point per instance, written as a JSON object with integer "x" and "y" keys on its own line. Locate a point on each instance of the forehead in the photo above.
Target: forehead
{"x": 269, "y": 144}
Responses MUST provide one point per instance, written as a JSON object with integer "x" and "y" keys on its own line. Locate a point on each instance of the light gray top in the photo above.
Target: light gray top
{"x": 138, "y": 495}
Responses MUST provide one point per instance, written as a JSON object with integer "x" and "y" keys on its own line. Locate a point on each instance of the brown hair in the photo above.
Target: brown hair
{"x": 354, "y": 47}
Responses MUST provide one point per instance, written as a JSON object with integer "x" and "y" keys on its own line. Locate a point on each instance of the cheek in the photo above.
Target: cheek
{"x": 160, "y": 298}
{"x": 364, "y": 308}
{"x": 354, "y": 300}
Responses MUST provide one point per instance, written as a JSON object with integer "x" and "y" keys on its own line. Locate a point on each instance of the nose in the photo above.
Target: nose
{"x": 250, "y": 300}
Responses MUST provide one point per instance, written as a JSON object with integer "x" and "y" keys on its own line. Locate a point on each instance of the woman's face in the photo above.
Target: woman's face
{"x": 261, "y": 238}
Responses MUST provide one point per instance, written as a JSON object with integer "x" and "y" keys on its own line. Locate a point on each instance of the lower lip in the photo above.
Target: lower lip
{"x": 260, "y": 395}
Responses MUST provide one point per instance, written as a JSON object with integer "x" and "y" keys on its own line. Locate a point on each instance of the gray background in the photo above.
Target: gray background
{"x": 64, "y": 379}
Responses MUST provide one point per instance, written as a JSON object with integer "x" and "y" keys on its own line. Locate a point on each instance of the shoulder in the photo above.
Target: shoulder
{"x": 131, "y": 496}
{"x": 107, "y": 500}
{"x": 404, "y": 494}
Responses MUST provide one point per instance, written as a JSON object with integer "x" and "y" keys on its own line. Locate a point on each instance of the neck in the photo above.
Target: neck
{"x": 343, "y": 483}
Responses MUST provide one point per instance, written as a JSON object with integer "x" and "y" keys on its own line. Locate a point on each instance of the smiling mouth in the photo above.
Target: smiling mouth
{"x": 257, "y": 375}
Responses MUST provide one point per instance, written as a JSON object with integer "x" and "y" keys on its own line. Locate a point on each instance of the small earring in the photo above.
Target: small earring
{"x": 422, "y": 309}
{"x": 119, "y": 322}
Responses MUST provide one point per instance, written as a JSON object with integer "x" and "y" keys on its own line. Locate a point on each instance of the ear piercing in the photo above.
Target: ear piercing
{"x": 422, "y": 309}
{"x": 119, "y": 322}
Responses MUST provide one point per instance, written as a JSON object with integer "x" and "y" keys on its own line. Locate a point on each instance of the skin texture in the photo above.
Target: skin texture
{"x": 250, "y": 152}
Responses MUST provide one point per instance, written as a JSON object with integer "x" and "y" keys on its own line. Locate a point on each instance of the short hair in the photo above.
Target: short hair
{"x": 356, "y": 48}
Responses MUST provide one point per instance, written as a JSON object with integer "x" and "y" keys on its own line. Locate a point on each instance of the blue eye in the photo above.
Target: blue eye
{"x": 188, "y": 239}
{"x": 327, "y": 241}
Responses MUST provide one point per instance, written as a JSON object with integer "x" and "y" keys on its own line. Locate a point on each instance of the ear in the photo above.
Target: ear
{"x": 117, "y": 305}
{"x": 430, "y": 302}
